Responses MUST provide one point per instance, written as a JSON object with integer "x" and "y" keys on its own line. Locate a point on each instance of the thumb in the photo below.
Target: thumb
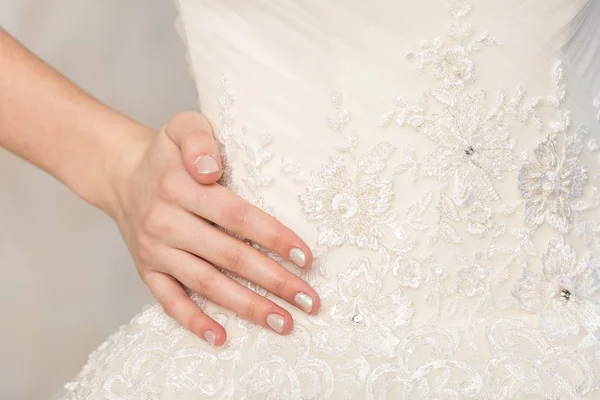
{"x": 192, "y": 132}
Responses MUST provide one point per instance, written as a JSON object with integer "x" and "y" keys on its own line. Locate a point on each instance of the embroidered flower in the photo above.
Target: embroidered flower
{"x": 549, "y": 184}
{"x": 565, "y": 294}
{"x": 480, "y": 220}
{"x": 454, "y": 67}
{"x": 472, "y": 281}
{"x": 347, "y": 208}
{"x": 470, "y": 144}
{"x": 360, "y": 316}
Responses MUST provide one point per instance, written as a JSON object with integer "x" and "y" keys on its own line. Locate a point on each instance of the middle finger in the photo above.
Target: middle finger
{"x": 222, "y": 249}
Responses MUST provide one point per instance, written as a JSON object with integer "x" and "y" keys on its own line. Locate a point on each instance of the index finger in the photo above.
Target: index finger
{"x": 241, "y": 218}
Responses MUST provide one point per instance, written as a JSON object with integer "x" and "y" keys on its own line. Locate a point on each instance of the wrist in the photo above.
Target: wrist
{"x": 122, "y": 169}
{"x": 118, "y": 166}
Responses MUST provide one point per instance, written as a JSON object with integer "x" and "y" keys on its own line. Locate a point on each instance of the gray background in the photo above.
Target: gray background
{"x": 66, "y": 278}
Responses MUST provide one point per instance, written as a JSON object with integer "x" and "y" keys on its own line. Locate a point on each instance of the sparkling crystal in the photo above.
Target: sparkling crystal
{"x": 358, "y": 319}
{"x": 565, "y": 294}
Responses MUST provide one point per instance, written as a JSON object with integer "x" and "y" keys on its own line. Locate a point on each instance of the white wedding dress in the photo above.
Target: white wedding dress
{"x": 441, "y": 158}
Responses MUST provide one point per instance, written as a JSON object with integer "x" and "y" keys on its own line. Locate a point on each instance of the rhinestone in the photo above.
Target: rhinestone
{"x": 358, "y": 319}
{"x": 565, "y": 294}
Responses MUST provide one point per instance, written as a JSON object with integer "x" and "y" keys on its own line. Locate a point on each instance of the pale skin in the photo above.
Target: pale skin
{"x": 161, "y": 190}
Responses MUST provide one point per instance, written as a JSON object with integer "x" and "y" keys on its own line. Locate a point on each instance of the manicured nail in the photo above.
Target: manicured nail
{"x": 275, "y": 321}
{"x": 206, "y": 165}
{"x": 298, "y": 257}
{"x": 210, "y": 337}
{"x": 304, "y": 302}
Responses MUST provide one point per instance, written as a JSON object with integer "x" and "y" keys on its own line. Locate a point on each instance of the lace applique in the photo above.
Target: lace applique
{"x": 350, "y": 209}
{"x": 551, "y": 183}
{"x": 365, "y": 317}
{"x": 404, "y": 319}
{"x": 565, "y": 294}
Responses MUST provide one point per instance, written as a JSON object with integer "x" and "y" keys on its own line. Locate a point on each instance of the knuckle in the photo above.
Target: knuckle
{"x": 195, "y": 322}
{"x": 202, "y": 285}
{"x": 236, "y": 216}
{"x": 169, "y": 306}
{"x": 280, "y": 285}
{"x": 155, "y": 223}
{"x": 168, "y": 186}
{"x": 188, "y": 121}
{"x": 147, "y": 215}
{"x": 146, "y": 250}
{"x": 277, "y": 239}
{"x": 235, "y": 259}
{"x": 252, "y": 310}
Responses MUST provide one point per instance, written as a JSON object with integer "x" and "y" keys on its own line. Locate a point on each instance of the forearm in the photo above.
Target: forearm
{"x": 55, "y": 125}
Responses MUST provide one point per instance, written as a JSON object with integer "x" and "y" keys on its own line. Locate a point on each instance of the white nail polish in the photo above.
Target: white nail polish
{"x": 275, "y": 321}
{"x": 206, "y": 165}
{"x": 210, "y": 337}
{"x": 304, "y": 302}
{"x": 298, "y": 257}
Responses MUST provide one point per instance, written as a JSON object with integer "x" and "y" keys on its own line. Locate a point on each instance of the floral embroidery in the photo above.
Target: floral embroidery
{"x": 472, "y": 281}
{"x": 549, "y": 185}
{"x": 480, "y": 220}
{"x": 566, "y": 294}
{"x": 403, "y": 320}
{"x": 349, "y": 209}
{"x": 364, "y": 318}
{"x": 470, "y": 143}
{"x": 454, "y": 67}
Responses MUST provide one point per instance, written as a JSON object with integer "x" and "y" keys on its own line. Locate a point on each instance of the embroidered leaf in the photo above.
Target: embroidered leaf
{"x": 449, "y": 208}
{"x": 416, "y": 120}
{"x": 416, "y": 210}
{"x": 444, "y": 97}
{"x": 375, "y": 160}
{"x": 449, "y": 234}
{"x": 251, "y": 168}
{"x": 537, "y": 122}
{"x": 338, "y": 122}
{"x": 265, "y": 156}
{"x": 575, "y": 141}
{"x": 402, "y": 167}
{"x": 442, "y": 379}
{"x": 347, "y": 144}
{"x": 336, "y": 99}
{"x": 265, "y": 180}
{"x": 387, "y": 118}
{"x": 402, "y": 116}
{"x": 266, "y": 140}
{"x": 451, "y": 307}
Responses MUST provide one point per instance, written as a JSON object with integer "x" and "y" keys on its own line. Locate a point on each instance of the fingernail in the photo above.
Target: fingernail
{"x": 304, "y": 302}
{"x": 298, "y": 257}
{"x": 206, "y": 165}
{"x": 275, "y": 321}
{"x": 210, "y": 337}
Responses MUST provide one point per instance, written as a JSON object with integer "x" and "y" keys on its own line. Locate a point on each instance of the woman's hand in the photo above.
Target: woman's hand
{"x": 166, "y": 198}
{"x": 160, "y": 189}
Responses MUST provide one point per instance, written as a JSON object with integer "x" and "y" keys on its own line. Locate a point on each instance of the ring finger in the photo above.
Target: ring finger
{"x": 207, "y": 281}
{"x": 222, "y": 249}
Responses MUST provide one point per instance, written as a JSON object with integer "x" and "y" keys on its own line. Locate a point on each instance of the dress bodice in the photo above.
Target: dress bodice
{"x": 441, "y": 158}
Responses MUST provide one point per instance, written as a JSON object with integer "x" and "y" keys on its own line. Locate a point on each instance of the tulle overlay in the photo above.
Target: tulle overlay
{"x": 442, "y": 162}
